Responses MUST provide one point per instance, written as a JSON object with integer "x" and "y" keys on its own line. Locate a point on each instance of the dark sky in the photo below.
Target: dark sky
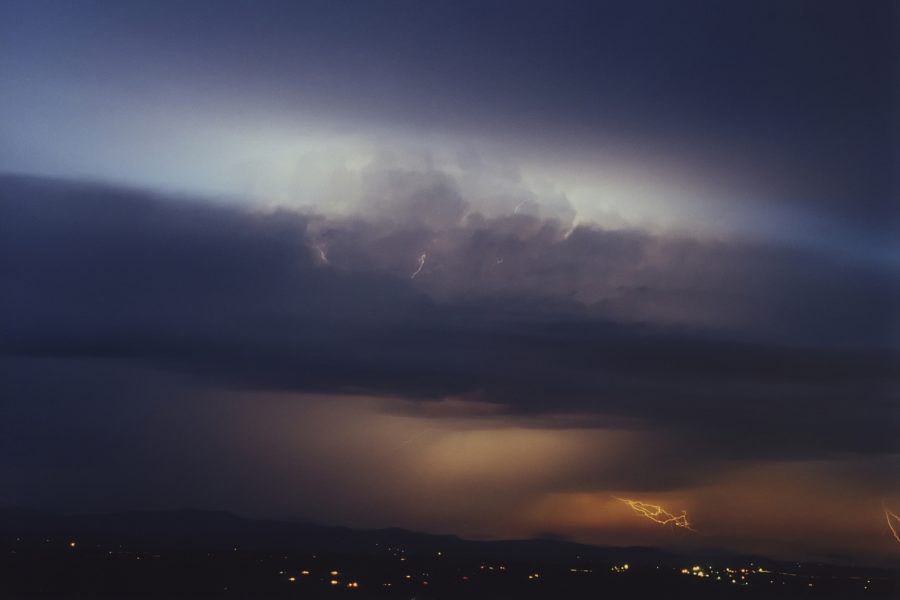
{"x": 471, "y": 267}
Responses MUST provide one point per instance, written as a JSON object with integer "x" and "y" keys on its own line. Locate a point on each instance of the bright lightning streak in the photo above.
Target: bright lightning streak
{"x": 410, "y": 441}
{"x": 657, "y": 514}
{"x": 893, "y": 521}
{"x": 421, "y": 264}
{"x": 322, "y": 256}
{"x": 415, "y": 437}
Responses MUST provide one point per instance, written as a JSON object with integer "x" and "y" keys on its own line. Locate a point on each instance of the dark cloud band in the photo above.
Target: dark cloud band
{"x": 245, "y": 299}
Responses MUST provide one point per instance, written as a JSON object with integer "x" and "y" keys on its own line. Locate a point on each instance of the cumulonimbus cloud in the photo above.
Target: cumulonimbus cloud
{"x": 619, "y": 323}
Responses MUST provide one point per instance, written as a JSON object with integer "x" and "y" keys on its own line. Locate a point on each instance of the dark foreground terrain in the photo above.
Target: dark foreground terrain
{"x": 191, "y": 554}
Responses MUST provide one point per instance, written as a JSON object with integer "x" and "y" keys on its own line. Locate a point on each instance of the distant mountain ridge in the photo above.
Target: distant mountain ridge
{"x": 217, "y": 530}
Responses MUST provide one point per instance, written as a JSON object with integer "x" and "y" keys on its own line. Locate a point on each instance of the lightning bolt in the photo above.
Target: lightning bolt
{"x": 893, "y": 520}
{"x": 518, "y": 206}
{"x": 657, "y": 514}
{"x": 410, "y": 441}
{"x": 322, "y": 256}
{"x": 421, "y": 264}
{"x": 415, "y": 437}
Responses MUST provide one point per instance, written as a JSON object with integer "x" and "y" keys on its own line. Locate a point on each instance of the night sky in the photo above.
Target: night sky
{"x": 480, "y": 268}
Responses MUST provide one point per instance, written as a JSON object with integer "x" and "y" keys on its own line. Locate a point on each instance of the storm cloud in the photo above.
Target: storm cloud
{"x": 619, "y": 324}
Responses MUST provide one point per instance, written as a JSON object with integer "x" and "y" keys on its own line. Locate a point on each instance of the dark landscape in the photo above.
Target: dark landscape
{"x": 189, "y": 554}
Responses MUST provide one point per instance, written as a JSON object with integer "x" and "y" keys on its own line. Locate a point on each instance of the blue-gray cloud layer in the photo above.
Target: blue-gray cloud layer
{"x": 246, "y": 300}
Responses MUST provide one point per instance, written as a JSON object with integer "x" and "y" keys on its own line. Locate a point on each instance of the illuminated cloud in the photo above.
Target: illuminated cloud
{"x": 792, "y": 144}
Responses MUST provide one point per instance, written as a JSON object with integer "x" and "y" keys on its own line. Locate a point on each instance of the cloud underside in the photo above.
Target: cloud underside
{"x": 721, "y": 343}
